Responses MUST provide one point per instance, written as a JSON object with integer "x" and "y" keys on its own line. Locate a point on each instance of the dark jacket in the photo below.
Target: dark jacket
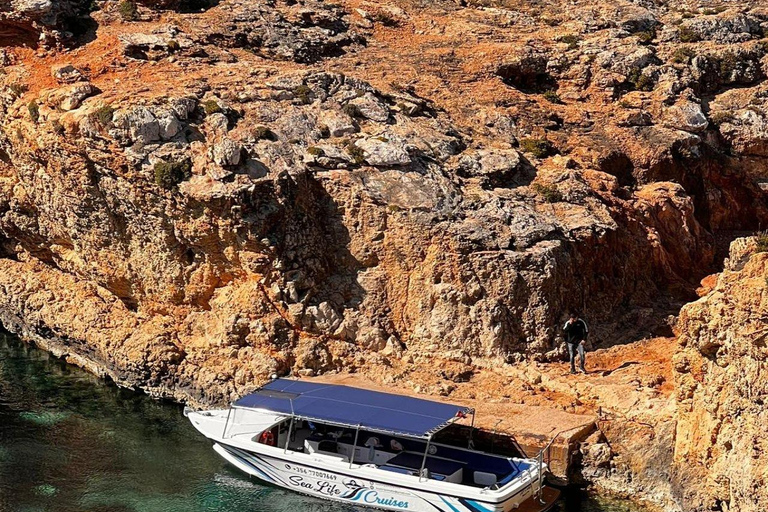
{"x": 575, "y": 331}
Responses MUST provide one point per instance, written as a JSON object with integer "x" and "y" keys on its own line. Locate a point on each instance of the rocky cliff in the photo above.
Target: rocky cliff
{"x": 721, "y": 386}
{"x": 197, "y": 195}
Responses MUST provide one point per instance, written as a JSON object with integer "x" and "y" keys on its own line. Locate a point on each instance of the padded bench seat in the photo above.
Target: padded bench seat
{"x": 434, "y": 465}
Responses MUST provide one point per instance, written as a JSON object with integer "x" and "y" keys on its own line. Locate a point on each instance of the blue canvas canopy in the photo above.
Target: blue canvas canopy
{"x": 353, "y": 407}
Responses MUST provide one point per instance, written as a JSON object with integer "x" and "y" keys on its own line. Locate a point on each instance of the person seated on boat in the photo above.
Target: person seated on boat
{"x": 395, "y": 446}
{"x": 372, "y": 443}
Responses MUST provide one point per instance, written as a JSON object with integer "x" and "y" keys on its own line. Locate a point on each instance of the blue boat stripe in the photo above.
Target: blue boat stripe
{"x": 260, "y": 459}
{"x": 475, "y": 506}
{"x": 244, "y": 458}
{"x": 449, "y": 504}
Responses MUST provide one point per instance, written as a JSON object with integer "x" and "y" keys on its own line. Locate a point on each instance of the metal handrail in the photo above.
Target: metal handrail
{"x": 540, "y": 461}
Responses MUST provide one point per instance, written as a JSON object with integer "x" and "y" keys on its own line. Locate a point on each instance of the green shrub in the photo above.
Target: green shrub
{"x": 550, "y": 193}
{"x": 646, "y": 36}
{"x": 386, "y": 19}
{"x": 57, "y": 127}
{"x": 357, "y": 154}
{"x": 640, "y": 81}
{"x": 728, "y": 64}
{"x": 17, "y": 89}
{"x": 572, "y": 40}
{"x": 170, "y": 174}
{"x": 104, "y": 114}
{"x": 683, "y": 55}
{"x": 127, "y": 10}
{"x": 688, "y": 35}
{"x": 211, "y": 107}
{"x": 34, "y": 111}
{"x": 315, "y": 151}
{"x": 351, "y": 110}
{"x": 262, "y": 132}
{"x": 539, "y": 148}
{"x": 761, "y": 242}
{"x": 720, "y": 117}
{"x": 303, "y": 93}
{"x": 552, "y": 96}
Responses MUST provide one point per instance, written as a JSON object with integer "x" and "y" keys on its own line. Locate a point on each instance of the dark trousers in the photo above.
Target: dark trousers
{"x": 574, "y": 348}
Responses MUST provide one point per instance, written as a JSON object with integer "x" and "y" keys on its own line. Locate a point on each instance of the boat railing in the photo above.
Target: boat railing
{"x": 544, "y": 458}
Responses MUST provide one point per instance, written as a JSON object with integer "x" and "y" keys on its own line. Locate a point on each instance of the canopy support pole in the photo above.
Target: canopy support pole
{"x": 288, "y": 438}
{"x": 354, "y": 446}
{"x": 224, "y": 434}
{"x": 424, "y": 460}
{"x": 471, "y": 443}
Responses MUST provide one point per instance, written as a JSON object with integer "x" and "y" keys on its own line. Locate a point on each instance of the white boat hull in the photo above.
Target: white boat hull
{"x": 355, "y": 490}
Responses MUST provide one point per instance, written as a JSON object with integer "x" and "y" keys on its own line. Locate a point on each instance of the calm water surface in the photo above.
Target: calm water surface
{"x": 70, "y": 442}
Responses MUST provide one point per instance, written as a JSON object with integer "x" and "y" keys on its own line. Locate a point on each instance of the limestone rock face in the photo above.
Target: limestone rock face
{"x": 720, "y": 368}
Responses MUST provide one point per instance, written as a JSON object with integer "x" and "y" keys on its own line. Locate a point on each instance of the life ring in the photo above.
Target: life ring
{"x": 267, "y": 437}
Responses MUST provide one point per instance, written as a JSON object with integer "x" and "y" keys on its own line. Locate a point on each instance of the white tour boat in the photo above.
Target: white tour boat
{"x": 368, "y": 448}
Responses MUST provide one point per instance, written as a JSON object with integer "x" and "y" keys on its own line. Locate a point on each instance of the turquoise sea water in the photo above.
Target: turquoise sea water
{"x": 70, "y": 442}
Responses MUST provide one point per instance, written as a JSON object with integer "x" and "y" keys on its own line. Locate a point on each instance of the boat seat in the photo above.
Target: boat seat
{"x": 404, "y": 471}
{"x": 434, "y": 465}
{"x": 484, "y": 479}
{"x": 394, "y": 469}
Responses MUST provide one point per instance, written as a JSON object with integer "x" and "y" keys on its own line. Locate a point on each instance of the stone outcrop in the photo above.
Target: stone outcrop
{"x": 720, "y": 440}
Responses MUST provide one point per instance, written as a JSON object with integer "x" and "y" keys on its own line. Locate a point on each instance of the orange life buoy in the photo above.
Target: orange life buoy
{"x": 268, "y": 438}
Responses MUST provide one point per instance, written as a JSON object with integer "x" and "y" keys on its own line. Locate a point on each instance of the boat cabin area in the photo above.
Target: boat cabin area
{"x": 392, "y": 433}
{"x": 443, "y": 462}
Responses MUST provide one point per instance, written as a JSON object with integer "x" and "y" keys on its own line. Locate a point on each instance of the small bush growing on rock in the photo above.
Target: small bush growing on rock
{"x": 127, "y": 10}
{"x": 351, "y": 110}
{"x": 683, "y": 55}
{"x": 357, "y": 154}
{"x": 211, "y": 107}
{"x": 303, "y": 93}
{"x": 315, "y": 151}
{"x": 720, "y": 117}
{"x": 646, "y": 36}
{"x": 539, "y": 148}
{"x": 552, "y": 97}
{"x": 17, "y": 90}
{"x": 761, "y": 242}
{"x": 688, "y": 35}
{"x": 34, "y": 111}
{"x": 572, "y": 40}
{"x": 386, "y": 19}
{"x": 57, "y": 127}
{"x": 263, "y": 133}
{"x": 550, "y": 193}
{"x": 640, "y": 81}
{"x": 728, "y": 64}
{"x": 104, "y": 114}
{"x": 170, "y": 174}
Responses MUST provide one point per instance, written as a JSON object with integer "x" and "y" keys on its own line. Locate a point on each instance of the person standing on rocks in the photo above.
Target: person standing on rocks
{"x": 576, "y": 332}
